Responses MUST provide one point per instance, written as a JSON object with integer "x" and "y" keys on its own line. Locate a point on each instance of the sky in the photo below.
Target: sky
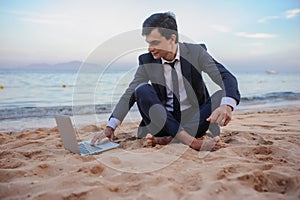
{"x": 244, "y": 35}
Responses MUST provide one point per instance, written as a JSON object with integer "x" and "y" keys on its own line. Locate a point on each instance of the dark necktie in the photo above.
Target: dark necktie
{"x": 176, "y": 97}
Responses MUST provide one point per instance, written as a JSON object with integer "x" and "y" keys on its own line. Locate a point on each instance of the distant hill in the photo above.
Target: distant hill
{"x": 72, "y": 65}
{"x": 68, "y": 65}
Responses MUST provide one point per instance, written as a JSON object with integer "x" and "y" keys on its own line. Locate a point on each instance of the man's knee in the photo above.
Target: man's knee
{"x": 142, "y": 89}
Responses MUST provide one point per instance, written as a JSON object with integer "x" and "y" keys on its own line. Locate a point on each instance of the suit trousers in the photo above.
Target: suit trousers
{"x": 160, "y": 122}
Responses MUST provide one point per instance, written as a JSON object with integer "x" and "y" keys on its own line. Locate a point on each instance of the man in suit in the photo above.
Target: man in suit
{"x": 170, "y": 92}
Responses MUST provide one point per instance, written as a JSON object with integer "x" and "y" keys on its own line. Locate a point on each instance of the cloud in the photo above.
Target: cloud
{"x": 256, "y": 35}
{"x": 268, "y": 18}
{"x": 292, "y": 13}
{"x": 289, "y": 14}
{"x": 221, "y": 28}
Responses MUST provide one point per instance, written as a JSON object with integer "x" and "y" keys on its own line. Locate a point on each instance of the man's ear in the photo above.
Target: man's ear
{"x": 173, "y": 38}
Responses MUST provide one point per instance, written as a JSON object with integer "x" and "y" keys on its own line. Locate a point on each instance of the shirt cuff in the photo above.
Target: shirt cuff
{"x": 113, "y": 123}
{"x": 229, "y": 101}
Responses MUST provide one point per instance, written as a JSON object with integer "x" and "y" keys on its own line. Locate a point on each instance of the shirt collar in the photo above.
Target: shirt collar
{"x": 176, "y": 57}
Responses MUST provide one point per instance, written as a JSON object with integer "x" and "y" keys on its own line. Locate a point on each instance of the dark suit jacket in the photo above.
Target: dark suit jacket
{"x": 194, "y": 60}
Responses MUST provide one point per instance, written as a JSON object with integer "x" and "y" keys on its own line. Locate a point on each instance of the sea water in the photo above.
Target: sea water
{"x": 30, "y": 98}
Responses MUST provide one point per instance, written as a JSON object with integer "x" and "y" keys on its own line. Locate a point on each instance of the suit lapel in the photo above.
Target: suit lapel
{"x": 186, "y": 66}
{"x": 158, "y": 78}
{"x": 186, "y": 69}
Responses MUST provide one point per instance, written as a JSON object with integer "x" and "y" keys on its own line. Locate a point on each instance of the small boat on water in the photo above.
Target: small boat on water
{"x": 271, "y": 72}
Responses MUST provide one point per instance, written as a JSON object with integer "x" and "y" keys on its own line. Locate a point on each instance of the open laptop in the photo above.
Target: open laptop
{"x": 68, "y": 136}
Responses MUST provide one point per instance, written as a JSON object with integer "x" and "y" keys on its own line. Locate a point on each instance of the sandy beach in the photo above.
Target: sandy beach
{"x": 262, "y": 161}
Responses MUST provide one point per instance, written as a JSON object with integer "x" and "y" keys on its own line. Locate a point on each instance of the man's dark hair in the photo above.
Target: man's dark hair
{"x": 165, "y": 22}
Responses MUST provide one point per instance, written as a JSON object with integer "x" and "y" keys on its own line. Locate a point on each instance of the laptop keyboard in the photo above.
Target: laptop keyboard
{"x": 86, "y": 148}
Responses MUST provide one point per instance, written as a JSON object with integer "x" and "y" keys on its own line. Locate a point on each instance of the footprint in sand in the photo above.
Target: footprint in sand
{"x": 270, "y": 181}
{"x": 97, "y": 169}
{"x": 226, "y": 172}
{"x": 93, "y": 170}
{"x": 8, "y": 162}
{"x": 262, "y": 150}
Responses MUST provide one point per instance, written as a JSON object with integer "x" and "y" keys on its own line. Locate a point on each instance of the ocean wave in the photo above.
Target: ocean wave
{"x": 273, "y": 96}
{"x": 24, "y": 112}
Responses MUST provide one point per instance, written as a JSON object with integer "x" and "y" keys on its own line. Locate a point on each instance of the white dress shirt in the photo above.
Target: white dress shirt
{"x": 184, "y": 102}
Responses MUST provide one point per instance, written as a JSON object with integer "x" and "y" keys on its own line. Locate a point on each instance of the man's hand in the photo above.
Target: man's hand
{"x": 222, "y": 115}
{"x": 107, "y": 132}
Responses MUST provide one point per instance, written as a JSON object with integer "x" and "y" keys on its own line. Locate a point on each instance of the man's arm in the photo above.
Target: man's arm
{"x": 123, "y": 106}
{"x": 113, "y": 123}
{"x": 221, "y": 76}
{"x": 128, "y": 98}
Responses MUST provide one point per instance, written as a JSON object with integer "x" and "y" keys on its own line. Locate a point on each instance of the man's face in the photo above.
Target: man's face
{"x": 158, "y": 45}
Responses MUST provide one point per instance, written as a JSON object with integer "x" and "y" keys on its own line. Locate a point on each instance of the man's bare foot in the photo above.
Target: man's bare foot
{"x": 208, "y": 144}
{"x": 152, "y": 141}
